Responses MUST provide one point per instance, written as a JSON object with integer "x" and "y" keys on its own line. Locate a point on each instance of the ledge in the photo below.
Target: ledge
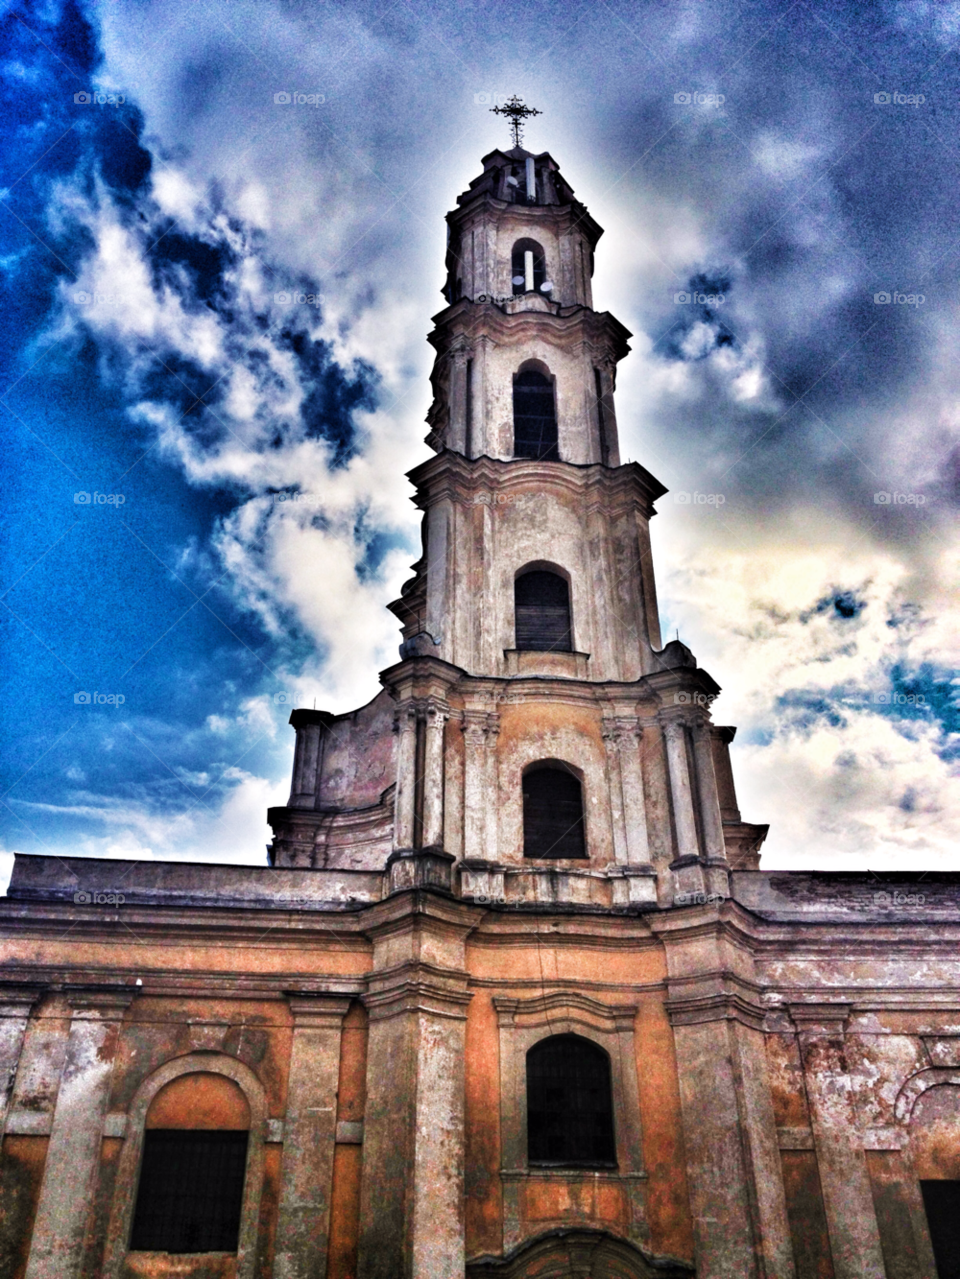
{"x": 550, "y": 664}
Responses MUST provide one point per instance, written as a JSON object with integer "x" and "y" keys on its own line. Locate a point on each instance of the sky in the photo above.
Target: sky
{"x": 214, "y": 374}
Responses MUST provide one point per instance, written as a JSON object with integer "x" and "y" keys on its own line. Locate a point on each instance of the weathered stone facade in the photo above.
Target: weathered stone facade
{"x": 784, "y": 1047}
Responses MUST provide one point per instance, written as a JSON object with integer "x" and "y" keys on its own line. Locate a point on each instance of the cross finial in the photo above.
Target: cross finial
{"x": 515, "y": 109}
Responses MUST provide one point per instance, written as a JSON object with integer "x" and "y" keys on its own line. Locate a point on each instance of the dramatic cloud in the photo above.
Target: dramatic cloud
{"x": 215, "y": 304}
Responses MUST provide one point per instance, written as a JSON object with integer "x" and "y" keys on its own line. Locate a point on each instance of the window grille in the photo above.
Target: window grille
{"x": 552, "y": 814}
{"x": 541, "y": 602}
{"x": 941, "y": 1200}
{"x": 534, "y": 417}
{"x": 569, "y": 1104}
{"x": 190, "y": 1192}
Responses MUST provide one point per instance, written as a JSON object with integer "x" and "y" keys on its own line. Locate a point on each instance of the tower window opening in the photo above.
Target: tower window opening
{"x": 190, "y": 1194}
{"x": 541, "y": 602}
{"x": 569, "y": 1104}
{"x": 528, "y": 267}
{"x": 552, "y": 813}
{"x": 534, "y": 417}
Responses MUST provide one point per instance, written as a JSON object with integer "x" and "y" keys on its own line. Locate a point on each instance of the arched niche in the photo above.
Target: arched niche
{"x": 128, "y": 1168}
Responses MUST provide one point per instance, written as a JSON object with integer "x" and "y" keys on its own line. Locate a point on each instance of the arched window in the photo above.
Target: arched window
{"x": 552, "y": 813}
{"x": 192, "y": 1172}
{"x": 528, "y": 267}
{"x": 541, "y": 601}
{"x": 569, "y": 1104}
{"x": 534, "y": 417}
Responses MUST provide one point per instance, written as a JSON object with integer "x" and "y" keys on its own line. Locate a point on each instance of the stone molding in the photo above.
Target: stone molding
{"x": 525, "y": 1022}
{"x": 914, "y": 1087}
{"x": 588, "y": 1254}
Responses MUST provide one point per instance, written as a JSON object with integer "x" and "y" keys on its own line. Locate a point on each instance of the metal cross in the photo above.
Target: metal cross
{"x": 517, "y": 112}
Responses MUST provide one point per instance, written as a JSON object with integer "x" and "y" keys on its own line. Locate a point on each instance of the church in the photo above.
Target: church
{"x": 513, "y": 997}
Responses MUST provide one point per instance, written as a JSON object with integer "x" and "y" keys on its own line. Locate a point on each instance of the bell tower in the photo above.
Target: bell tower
{"x": 531, "y": 621}
{"x": 545, "y": 746}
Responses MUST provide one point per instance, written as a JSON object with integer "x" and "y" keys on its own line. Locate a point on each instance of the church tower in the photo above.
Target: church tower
{"x": 548, "y": 747}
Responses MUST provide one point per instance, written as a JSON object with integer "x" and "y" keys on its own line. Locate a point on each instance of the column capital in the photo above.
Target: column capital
{"x": 321, "y": 1011}
{"x": 99, "y": 1003}
{"x": 820, "y": 1019}
{"x": 620, "y": 728}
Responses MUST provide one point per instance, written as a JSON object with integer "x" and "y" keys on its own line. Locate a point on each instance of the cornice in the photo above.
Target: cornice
{"x": 452, "y": 475}
{"x": 570, "y": 216}
{"x": 564, "y": 326}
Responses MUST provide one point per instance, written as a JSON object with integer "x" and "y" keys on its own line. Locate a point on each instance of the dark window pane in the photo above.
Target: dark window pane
{"x": 569, "y": 1104}
{"x": 191, "y": 1191}
{"x": 552, "y": 814}
{"x": 542, "y": 612}
{"x": 534, "y": 418}
{"x": 941, "y": 1199}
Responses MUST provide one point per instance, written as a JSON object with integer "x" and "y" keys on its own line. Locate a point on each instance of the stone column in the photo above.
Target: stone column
{"x": 16, "y": 1003}
{"x": 310, "y": 727}
{"x": 634, "y": 796}
{"x": 844, "y": 1178}
{"x": 688, "y": 873}
{"x": 715, "y": 849}
{"x": 411, "y": 1202}
{"x": 611, "y": 740}
{"x": 405, "y": 724}
{"x": 458, "y": 401}
{"x": 492, "y": 787}
{"x": 733, "y": 1161}
{"x": 436, "y": 718}
{"x": 73, "y": 1152}
{"x": 474, "y": 731}
{"x": 309, "y": 1133}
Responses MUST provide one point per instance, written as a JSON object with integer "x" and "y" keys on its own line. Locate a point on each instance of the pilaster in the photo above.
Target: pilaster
{"x": 306, "y": 1177}
{"x": 733, "y": 1160}
{"x": 411, "y": 1209}
{"x": 73, "y": 1152}
{"x": 844, "y": 1178}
